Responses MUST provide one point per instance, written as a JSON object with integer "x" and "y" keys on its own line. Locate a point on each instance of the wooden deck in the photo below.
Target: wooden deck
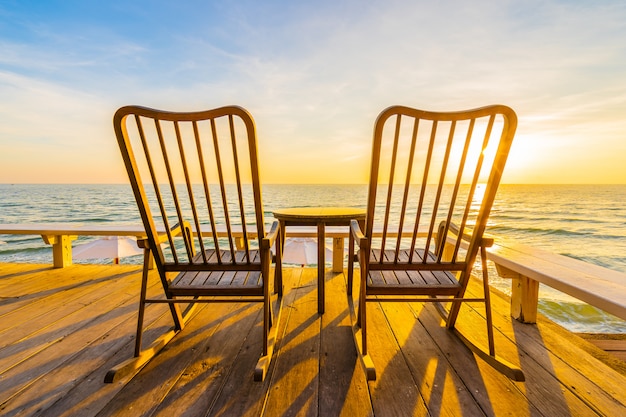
{"x": 62, "y": 329}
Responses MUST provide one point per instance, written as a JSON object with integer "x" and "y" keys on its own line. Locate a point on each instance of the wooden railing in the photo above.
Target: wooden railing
{"x": 61, "y": 235}
{"x": 527, "y": 267}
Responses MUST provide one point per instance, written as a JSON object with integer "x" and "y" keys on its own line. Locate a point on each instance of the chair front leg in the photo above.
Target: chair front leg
{"x": 362, "y": 313}
{"x": 267, "y": 300}
{"x": 142, "y": 300}
{"x": 487, "y": 293}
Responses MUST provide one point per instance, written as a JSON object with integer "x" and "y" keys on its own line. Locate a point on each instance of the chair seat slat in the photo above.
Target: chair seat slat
{"x": 216, "y": 279}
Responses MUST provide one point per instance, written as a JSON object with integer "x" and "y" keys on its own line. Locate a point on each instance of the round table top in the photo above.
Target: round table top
{"x": 319, "y": 213}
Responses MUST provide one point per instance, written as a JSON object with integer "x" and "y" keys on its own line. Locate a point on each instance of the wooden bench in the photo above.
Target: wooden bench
{"x": 527, "y": 267}
{"x": 61, "y": 235}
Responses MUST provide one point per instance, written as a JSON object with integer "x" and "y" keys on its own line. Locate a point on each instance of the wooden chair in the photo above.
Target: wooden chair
{"x": 433, "y": 180}
{"x": 195, "y": 177}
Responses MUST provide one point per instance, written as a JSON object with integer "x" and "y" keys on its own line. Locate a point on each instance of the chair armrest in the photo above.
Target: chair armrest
{"x": 270, "y": 238}
{"x": 162, "y": 237}
{"x": 356, "y": 233}
{"x": 487, "y": 240}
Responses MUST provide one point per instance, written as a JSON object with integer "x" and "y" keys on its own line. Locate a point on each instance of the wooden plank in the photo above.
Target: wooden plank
{"x": 200, "y": 355}
{"x": 55, "y": 229}
{"x": 438, "y": 382}
{"x": 342, "y": 381}
{"x": 578, "y": 382}
{"x": 13, "y": 278}
{"x": 415, "y": 357}
{"x": 295, "y": 378}
{"x": 220, "y": 379}
{"x": 613, "y": 344}
{"x": 45, "y": 280}
{"x": 239, "y": 395}
{"x": 75, "y": 385}
{"x": 394, "y": 392}
{"x": 53, "y": 328}
{"x": 56, "y": 343}
{"x": 42, "y": 311}
{"x": 479, "y": 378}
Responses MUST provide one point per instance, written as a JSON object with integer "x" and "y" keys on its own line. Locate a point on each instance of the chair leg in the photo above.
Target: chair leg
{"x": 269, "y": 342}
{"x": 501, "y": 365}
{"x": 266, "y": 320}
{"x": 487, "y": 293}
{"x": 358, "y": 320}
{"x": 271, "y": 321}
{"x": 142, "y": 357}
{"x": 142, "y": 301}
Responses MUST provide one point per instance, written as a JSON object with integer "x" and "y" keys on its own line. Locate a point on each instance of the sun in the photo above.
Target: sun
{"x": 522, "y": 161}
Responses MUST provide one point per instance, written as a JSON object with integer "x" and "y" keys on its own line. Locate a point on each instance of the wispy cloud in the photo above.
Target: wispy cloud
{"x": 314, "y": 74}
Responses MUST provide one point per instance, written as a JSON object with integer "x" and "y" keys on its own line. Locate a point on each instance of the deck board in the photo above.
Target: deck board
{"x": 61, "y": 330}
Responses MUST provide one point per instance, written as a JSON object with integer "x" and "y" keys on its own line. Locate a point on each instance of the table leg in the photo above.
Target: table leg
{"x": 321, "y": 264}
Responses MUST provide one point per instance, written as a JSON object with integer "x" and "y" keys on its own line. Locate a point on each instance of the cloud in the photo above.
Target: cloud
{"x": 314, "y": 75}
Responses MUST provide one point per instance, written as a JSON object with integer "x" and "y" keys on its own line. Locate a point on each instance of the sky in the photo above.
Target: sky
{"x": 314, "y": 75}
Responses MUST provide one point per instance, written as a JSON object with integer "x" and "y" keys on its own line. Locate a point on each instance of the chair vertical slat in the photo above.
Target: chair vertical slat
{"x": 392, "y": 169}
{"x": 196, "y": 135}
{"x": 155, "y": 183}
{"x": 256, "y": 183}
{"x": 220, "y": 173}
{"x": 172, "y": 184}
{"x": 189, "y": 243}
{"x": 422, "y": 195}
{"x": 468, "y": 204}
{"x": 207, "y": 193}
{"x": 455, "y": 192}
{"x": 239, "y": 190}
{"x": 472, "y": 190}
{"x": 442, "y": 175}
{"x": 407, "y": 186}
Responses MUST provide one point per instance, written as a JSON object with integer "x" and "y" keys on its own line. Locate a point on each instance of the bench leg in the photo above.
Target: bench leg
{"x": 524, "y": 299}
{"x": 338, "y": 254}
{"x": 61, "y": 249}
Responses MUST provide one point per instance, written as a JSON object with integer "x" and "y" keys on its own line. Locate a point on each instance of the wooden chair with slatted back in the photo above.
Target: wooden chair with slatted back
{"x": 195, "y": 177}
{"x": 433, "y": 180}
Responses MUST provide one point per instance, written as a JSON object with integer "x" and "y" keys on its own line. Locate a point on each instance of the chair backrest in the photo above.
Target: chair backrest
{"x": 433, "y": 167}
{"x": 198, "y": 169}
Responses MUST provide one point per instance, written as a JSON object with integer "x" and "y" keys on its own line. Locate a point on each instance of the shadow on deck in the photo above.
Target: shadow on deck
{"x": 62, "y": 329}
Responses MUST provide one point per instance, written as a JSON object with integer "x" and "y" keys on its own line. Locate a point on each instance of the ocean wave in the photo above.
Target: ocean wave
{"x": 580, "y": 317}
{"x": 538, "y": 230}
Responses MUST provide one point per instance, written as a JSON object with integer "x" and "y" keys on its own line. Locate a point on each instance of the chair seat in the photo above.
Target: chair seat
{"x": 229, "y": 281}
{"x": 414, "y": 278}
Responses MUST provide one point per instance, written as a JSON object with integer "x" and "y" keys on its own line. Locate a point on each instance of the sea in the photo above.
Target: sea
{"x": 585, "y": 222}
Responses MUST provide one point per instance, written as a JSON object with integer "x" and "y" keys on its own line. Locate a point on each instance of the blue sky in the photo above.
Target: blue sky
{"x": 314, "y": 75}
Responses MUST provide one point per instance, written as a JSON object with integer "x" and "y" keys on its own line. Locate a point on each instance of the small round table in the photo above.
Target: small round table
{"x": 320, "y": 217}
